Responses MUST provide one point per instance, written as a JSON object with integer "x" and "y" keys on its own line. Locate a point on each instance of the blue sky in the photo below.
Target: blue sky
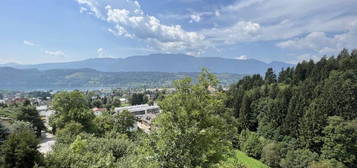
{"x": 39, "y": 31}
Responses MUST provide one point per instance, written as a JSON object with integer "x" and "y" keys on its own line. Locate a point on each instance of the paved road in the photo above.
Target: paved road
{"x": 47, "y": 141}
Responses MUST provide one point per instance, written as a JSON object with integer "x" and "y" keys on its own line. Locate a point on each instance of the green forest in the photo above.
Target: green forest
{"x": 300, "y": 117}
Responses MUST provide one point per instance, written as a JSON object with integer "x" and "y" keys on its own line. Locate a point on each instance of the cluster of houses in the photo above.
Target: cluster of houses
{"x": 20, "y": 98}
{"x": 143, "y": 113}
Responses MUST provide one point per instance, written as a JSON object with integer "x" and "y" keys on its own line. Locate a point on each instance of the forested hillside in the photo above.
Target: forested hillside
{"x": 302, "y": 116}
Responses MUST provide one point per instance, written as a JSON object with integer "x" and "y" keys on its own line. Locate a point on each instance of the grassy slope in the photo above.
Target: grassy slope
{"x": 241, "y": 157}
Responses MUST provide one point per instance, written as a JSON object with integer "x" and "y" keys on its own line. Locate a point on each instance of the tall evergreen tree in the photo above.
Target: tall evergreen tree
{"x": 270, "y": 76}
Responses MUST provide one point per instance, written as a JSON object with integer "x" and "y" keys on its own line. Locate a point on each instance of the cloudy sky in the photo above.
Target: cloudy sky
{"x": 38, "y": 31}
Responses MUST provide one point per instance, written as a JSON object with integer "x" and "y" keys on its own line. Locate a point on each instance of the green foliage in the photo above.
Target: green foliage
{"x": 340, "y": 141}
{"x": 339, "y": 94}
{"x": 18, "y": 126}
{"x": 31, "y": 115}
{"x": 245, "y": 114}
{"x": 192, "y": 130}
{"x": 327, "y": 164}
{"x": 116, "y": 102}
{"x": 294, "y": 110}
{"x": 4, "y": 132}
{"x": 71, "y": 106}
{"x": 269, "y": 123}
{"x": 97, "y": 103}
{"x": 270, "y": 76}
{"x": 300, "y": 158}
{"x": 91, "y": 152}
{"x": 311, "y": 126}
{"x": 121, "y": 122}
{"x": 68, "y": 134}
{"x": 20, "y": 150}
{"x": 251, "y": 143}
{"x": 142, "y": 155}
{"x": 104, "y": 123}
{"x": 272, "y": 154}
{"x": 138, "y": 98}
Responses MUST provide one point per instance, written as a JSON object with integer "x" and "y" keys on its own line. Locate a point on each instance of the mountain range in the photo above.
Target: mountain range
{"x": 68, "y": 79}
{"x": 172, "y": 63}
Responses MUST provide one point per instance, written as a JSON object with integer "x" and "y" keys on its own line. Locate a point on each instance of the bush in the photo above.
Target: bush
{"x": 327, "y": 164}
{"x": 272, "y": 154}
{"x": 300, "y": 158}
{"x": 251, "y": 143}
{"x": 68, "y": 134}
{"x": 89, "y": 151}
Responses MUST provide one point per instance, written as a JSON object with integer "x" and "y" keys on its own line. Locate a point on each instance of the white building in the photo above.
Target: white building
{"x": 144, "y": 113}
{"x": 123, "y": 100}
{"x": 139, "y": 110}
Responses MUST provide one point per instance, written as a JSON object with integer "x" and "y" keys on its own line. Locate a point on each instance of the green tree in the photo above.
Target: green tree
{"x": 20, "y": 150}
{"x": 300, "y": 158}
{"x": 339, "y": 94}
{"x": 123, "y": 122}
{"x": 251, "y": 144}
{"x": 68, "y": 134}
{"x": 272, "y": 153}
{"x": 71, "y": 106}
{"x": 18, "y": 126}
{"x": 31, "y": 115}
{"x": 295, "y": 111}
{"x": 4, "y": 132}
{"x": 340, "y": 141}
{"x": 116, "y": 102}
{"x": 138, "y": 98}
{"x": 192, "y": 130}
{"x": 269, "y": 123}
{"x": 245, "y": 113}
{"x": 311, "y": 126}
{"x": 270, "y": 76}
{"x": 104, "y": 123}
{"x": 97, "y": 103}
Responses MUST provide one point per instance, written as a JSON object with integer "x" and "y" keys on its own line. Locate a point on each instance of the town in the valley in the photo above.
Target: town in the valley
{"x": 142, "y": 103}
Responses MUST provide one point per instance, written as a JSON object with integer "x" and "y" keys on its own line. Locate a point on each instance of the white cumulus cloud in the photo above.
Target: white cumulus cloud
{"x": 29, "y": 43}
{"x": 240, "y": 32}
{"x": 320, "y": 42}
{"x": 56, "y": 53}
{"x": 93, "y": 6}
{"x": 195, "y": 18}
{"x": 167, "y": 38}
